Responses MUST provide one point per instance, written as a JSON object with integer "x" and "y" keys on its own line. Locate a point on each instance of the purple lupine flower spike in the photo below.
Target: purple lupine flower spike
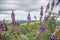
{"x": 41, "y": 12}
{"x": 52, "y": 5}
{"x": 59, "y": 12}
{"x": 58, "y": 2}
{"x": 29, "y": 17}
{"x": 48, "y": 6}
{"x": 14, "y": 23}
{"x": 4, "y": 25}
{"x": 35, "y": 17}
{"x": 45, "y": 18}
{"x": 42, "y": 29}
{"x": 41, "y": 7}
{"x": 13, "y": 15}
{"x": 53, "y": 37}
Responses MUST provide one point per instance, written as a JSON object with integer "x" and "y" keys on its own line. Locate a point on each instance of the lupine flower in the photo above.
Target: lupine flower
{"x": 52, "y": 5}
{"x": 1, "y": 28}
{"x": 59, "y": 12}
{"x": 14, "y": 23}
{"x": 41, "y": 12}
{"x": 35, "y": 17}
{"x": 12, "y": 15}
{"x": 45, "y": 18}
{"x": 42, "y": 29}
{"x": 58, "y": 2}
{"x": 41, "y": 7}
{"x": 4, "y": 25}
{"x": 53, "y": 37}
{"x": 28, "y": 17}
{"x": 47, "y": 8}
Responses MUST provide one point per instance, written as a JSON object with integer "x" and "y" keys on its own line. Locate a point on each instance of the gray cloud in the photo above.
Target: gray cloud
{"x": 24, "y": 5}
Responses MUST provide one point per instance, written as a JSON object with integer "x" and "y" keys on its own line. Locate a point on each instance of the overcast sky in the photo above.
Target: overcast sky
{"x": 22, "y": 7}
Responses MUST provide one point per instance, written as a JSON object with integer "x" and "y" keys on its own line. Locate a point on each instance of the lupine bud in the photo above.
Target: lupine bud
{"x": 58, "y": 2}
{"x": 28, "y": 17}
{"x": 41, "y": 7}
{"x": 41, "y": 12}
{"x": 52, "y": 5}
{"x": 13, "y": 15}
{"x": 47, "y": 8}
{"x": 35, "y": 17}
{"x": 45, "y": 18}
{"x": 59, "y": 12}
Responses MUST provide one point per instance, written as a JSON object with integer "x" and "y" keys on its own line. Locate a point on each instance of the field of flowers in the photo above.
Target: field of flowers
{"x": 46, "y": 29}
{"x": 29, "y": 32}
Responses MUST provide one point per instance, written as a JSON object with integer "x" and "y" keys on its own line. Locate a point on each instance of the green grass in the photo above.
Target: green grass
{"x": 30, "y": 34}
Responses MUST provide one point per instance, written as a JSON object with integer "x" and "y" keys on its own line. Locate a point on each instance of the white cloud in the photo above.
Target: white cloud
{"x": 22, "y": 7}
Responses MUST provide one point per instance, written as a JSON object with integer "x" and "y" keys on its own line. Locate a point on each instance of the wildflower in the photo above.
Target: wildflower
{"x": 28, "y": 17}
{"x": 58, "y": 2}
{"x": 45, "y": 18}
{"x": 59, "y": 12}
{"x": 52, "y": 5}
{"x": 42, "y": 29}
{"x": 47, "y": 8}
{"x": 14, "y": 23}
{"x": 13, "y": 15}
{"x": 4, "y": 25}
{"x": 41, "y": 12}
{"x": 35, "y": 17}
{"x": 53, "y": 37}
